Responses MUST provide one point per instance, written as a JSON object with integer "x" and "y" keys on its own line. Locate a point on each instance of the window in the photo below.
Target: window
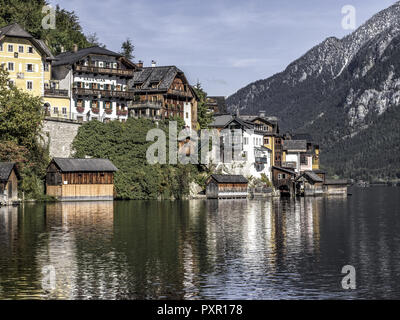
{"x": 266, "y": 140}
{"x": 11, "y": 66}
{"x": 29, "y": 85}
{"x": 29, "y": 67}
{"x": 245, "y": 141}
{"x": 55, "y": 110}
{"x": 21, "y": 49}
{"x": 10, "y": 83}
{"x": 46, "y": 67}
{"x": 30, "y": 50}
{"x": 187, "y": 115}
{"x": 10, "y": 48}
{"x": 64, "y": 110}
{"x": 1, "y": 47}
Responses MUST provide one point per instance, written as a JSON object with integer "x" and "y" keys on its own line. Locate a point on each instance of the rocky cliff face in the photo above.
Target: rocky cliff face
{"x": 338, "y": 90}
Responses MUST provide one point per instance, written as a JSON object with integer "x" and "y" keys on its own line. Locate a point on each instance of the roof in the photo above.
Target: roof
{"x": 71, "y": 57}
{"x": 85, "y": 165}
{"x": 312, "y": 176}
{"x": 5, "y": 170}
{"x": 295, "y": 145}
{"x": 15, "y": 30}
{"x": 224, "y": 178}
{"x": 163, "y": 76}
{"x": 336, "y": 182}
{"x": 283, "y": 169}
{"x": 221, "y": 120}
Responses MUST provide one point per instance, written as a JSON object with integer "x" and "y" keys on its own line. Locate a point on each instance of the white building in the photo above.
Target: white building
{"x": 97, "y": 82}
{"x": 241, "y": 148}
{"x": 295, "y": 155}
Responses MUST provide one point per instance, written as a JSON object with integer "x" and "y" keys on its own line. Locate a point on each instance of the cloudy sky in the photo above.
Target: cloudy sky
{"x": 225, "y": 44}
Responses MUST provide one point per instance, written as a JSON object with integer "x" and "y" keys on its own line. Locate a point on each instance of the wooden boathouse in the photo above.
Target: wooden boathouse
{"x": 8, "y": 183}
{"x": 309, "y": 183}
{"x": 221, "y": 186}
{"x": 80, "y": 179}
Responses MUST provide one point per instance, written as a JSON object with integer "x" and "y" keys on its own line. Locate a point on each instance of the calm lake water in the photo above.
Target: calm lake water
{"x": 242, "y": 249}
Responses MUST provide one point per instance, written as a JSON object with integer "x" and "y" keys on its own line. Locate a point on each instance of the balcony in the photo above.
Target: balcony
{"x": 104, "y": 93}
{"x": 261, "y": 160}
{"x": 146, "y": 105}
{"x": 55, "y": 92}
{"x": 180, "y": 93}
{"x": 291, "y": 165}
{"x": 107, "y": 71}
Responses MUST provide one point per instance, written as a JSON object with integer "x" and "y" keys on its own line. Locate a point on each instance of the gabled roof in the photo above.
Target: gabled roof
{"x": 221, "y": 120}
{"x": 295, "y": 145}
{"x": 71, "y": 57}
{"x": 284, "y": 170}
{"x": 163, "y": 76}
{"x": 16, "y": 31}
{"x": 85, "y": 165}
{"x": 243, "y": 123}
{"x": 311, "y": 176}
{"x": 5, "y": 170}
{"x": 224, "y": 178}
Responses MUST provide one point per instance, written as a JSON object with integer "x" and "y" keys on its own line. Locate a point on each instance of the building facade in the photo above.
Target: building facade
{"x": 29, "y": 63}
{"x": 8, "y": 183}
{"x": 241, "y": 149}
{"x": 80, "y": 179}
{"x": 96, "y": 80}
{"x": 163, "y": 93}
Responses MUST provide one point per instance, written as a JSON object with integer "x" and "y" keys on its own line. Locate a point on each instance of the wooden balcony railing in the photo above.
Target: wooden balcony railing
{"x": 100, "y": 70}
{"x": 180, "y": 93}
{"x": 104, "y": 93}
{"x": 146, "y": 105}
{"x": 55, "y": 92}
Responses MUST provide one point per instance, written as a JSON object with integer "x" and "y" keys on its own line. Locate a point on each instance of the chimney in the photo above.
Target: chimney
{"x": 140, "y": 64}
{"x": 75, "y": 47}
{"x": 153, "y": 63}
{"x": 262, "y": 114}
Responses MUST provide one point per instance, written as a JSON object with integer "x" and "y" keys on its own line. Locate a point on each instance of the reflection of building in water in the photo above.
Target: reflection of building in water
{"x": 73, "y": 229}
{"x": 8, "y": 225}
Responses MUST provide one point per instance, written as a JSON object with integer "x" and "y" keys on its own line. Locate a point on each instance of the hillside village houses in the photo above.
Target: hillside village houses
{"x": 98, "y": 84}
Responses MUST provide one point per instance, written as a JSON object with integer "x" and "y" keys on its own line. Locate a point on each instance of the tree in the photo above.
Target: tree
{"x": 127, "y": 49}
{"x": 93, "y": 40}
{"x": 20, "y": 114}
{"x": 204, "y": 117}
{"x": 20, "y": 140}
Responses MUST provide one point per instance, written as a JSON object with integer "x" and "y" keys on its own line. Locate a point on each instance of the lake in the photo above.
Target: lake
{"x": 203, "y": 249}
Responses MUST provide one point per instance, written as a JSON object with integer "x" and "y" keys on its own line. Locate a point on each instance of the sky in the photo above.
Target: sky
{"x": 224, "y": 44}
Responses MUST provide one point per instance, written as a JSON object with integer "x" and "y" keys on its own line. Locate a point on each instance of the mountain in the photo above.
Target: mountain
{"x": 345, "y": 93}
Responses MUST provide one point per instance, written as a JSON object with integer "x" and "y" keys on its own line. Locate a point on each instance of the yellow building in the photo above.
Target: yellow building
{"x": 28, "y": 61}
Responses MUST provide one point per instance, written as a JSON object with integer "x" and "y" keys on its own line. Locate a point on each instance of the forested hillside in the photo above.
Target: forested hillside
{"x": 345, "y": 93}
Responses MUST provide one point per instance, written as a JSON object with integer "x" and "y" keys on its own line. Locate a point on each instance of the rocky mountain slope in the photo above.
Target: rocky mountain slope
{"x": 345, "y": 92}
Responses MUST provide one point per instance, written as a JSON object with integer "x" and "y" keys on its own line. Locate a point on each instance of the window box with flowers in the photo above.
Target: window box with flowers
{"x": 80, "y": 109}
{"x": 108, "y": 110}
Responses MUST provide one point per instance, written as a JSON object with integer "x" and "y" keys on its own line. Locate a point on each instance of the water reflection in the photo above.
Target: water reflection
{"x": 259, "y": 249}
